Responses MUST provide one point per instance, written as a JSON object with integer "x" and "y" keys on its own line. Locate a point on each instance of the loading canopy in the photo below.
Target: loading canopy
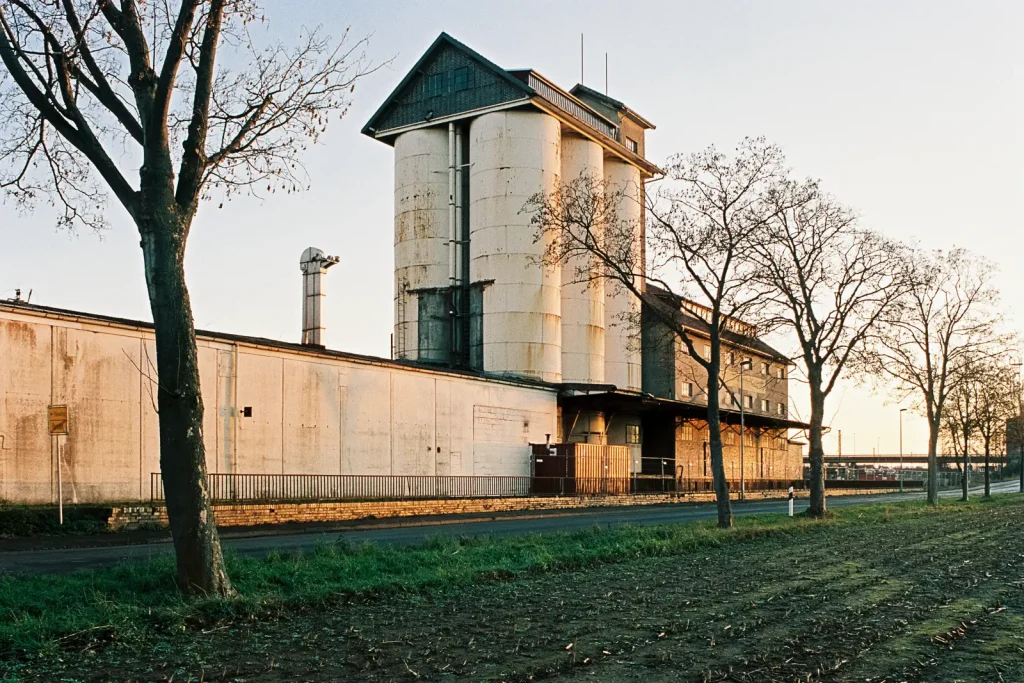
{"x": 626, "y": 401}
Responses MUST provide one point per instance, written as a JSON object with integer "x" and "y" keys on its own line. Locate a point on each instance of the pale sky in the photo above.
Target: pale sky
{"x": 910, "y": 112}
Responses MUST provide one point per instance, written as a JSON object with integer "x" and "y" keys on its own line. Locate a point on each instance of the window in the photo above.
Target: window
{"x": 462, "y": 79}
{"x": 766, "y": 405}
{"x": 632, "y": 145}
{"x": 729, "y": 438}
{"x": 707, "y": 352}
{"x": 435, "y": 84}
{"x": 686, "y": 432}
{"x": 732, "y": 358}
{"x": 780, "y": 372}
{"x": 633, "y": 434}
{"x": 749, "y": 400}
{"x": 735, "y": 401}
{"x": 688, "y": 389}
{"x": 782, "y": 409}
{"x": 764, "y": 368}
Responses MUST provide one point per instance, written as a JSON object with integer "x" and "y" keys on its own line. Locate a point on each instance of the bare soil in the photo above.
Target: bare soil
{"x": 929, "y": 598}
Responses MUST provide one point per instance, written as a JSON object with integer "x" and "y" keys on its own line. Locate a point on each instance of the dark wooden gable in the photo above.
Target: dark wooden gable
{"x": 449, "y": 79}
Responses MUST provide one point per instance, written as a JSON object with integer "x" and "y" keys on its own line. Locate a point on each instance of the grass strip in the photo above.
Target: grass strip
{"x": 41, "y": 614}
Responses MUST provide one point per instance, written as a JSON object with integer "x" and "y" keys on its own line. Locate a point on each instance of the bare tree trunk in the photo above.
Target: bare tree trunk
{"x": 200, "y": 565}
{"x": 988, "y": 484}
{"x": 1021, "y": 463}
{"x": 964, "y": 480}
{"x": 816, "y": 451}
{"x": 717, "y": 461}
{"x": 933, "y": 462}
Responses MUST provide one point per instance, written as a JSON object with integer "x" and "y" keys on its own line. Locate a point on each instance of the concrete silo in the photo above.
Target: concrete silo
{"x": 622, "y": 308}
{"x": 583, "y": 332}
{"x": 421, "y": 234}
{"x": 514, "y": 154}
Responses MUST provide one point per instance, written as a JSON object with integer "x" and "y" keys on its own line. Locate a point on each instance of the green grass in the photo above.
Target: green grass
{"x": 136, "y": 600}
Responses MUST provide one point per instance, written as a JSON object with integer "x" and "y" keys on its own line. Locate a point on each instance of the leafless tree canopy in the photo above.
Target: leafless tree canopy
{"x": 946, "y": 322}
{"x": 85, "y": 101}
{"x": 828, "y": 283}
{"x": 701, "y": 229}
{"x": 130, "y": 97}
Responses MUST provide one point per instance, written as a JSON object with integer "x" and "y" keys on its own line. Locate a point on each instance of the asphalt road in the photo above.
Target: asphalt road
{"x": 62, "y": 560}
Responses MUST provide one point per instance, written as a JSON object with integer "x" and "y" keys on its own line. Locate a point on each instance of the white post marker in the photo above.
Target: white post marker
{"x": 790, "y": 501}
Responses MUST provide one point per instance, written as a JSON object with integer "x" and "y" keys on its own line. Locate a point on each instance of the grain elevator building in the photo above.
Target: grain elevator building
{"x": 491, "y": 351}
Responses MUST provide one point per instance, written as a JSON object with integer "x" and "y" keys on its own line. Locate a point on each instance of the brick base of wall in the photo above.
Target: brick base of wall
{"x": 258, "y": 514}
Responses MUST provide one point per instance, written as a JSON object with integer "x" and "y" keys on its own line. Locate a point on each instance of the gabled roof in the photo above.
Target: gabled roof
{"x": 415, "y": 104}
{"x": 442, "y": 41}
{"x": 581, "y": 90}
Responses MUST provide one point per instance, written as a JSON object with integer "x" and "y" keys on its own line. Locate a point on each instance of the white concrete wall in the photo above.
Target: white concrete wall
{"x": 311, "y": 413}
{"x": 582, "y": 302}
{"x": 621, "y": 307}
{"x": 514, "y": 155}
{"x": 421, "y": 226}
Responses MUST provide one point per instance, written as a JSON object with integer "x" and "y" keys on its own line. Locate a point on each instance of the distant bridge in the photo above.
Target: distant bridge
{"x": 854, "y": 460}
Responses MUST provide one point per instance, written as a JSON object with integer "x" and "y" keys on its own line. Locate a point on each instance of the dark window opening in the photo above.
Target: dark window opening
{"x": 633, "y": 434}
{"x": 632, "y": 145}
{"x": 462, "y": 79}
{"x": 435, "y": 84}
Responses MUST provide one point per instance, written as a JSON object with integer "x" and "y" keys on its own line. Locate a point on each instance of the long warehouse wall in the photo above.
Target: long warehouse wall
{"x": 309, "y": 412}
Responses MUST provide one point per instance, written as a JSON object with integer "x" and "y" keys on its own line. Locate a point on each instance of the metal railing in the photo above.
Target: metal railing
{"x": 572, "y": 108}
{"x": 346, "y": 487}
{"x": 308, "y": 488}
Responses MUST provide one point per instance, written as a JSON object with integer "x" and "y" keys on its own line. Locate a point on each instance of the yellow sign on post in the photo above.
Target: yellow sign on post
{"x": 58, "y": 420}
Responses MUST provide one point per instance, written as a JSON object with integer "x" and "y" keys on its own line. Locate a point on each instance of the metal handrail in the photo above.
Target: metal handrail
{"x": 267, "y": 488}
{"x": 572, "y": 108}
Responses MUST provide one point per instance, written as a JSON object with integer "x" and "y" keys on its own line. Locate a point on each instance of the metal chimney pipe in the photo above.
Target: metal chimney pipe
{"x": 313, "y": 264}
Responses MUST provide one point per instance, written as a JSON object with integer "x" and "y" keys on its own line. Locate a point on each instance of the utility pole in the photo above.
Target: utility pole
{"x": 1020, "y": 423}
{"x": 744, "y": 364}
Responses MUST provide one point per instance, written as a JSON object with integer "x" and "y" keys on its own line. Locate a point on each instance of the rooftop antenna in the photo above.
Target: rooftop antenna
{"x": 581, "y": 59}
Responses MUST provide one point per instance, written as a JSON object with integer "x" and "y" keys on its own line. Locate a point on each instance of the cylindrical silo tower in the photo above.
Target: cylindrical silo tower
{"x": 582, "y": 303}
{"x": 514, "y": 155}
{"x": 621, "y": 307}
{"x": 421, "y": 235}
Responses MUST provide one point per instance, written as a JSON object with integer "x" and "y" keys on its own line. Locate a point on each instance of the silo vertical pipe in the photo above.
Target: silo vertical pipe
{"x": 451, "y": 205}
{"x": 460, "y": 248}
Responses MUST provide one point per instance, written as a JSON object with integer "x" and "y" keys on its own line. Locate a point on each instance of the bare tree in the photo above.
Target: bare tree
{"x": 996, "y": 401}
{"x": 947, "y": 316}
{"x": 95, "y": 92}
{"x": 830, "y": 284}
{"x": 960, "y": 419}
{"x": 696, "y": 261}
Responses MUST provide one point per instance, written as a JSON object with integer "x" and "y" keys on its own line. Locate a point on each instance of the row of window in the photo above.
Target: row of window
{"x": 729, "y": 437}
{"x": 765, "y": 405}
{"x": 765, "y": 367}
{"x": 445, "y": 82}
